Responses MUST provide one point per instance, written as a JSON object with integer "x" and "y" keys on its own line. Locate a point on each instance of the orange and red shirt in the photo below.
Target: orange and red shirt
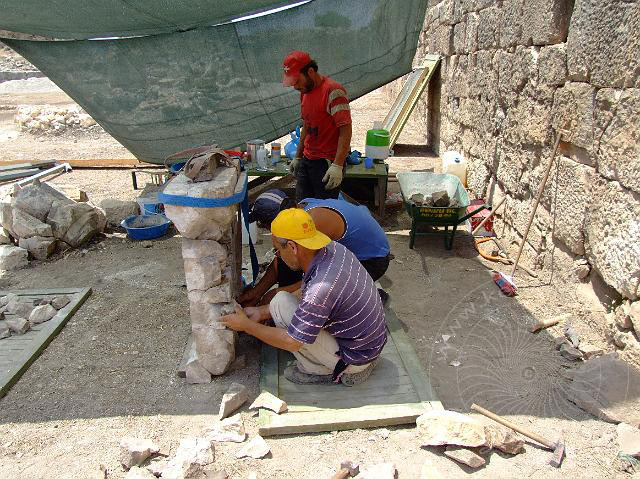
{"x": 324, "y": 110}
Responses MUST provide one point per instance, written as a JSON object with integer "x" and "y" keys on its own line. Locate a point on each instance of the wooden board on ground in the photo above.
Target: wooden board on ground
{"x": 397, "y": 392}
{"x": 18, "y": 352}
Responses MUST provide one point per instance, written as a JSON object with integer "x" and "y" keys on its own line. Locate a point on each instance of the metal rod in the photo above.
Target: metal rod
{"x": 63, "y": 168}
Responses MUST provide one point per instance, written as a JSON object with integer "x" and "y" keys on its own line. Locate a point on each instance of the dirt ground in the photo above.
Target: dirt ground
{"x": 111, "y": 371}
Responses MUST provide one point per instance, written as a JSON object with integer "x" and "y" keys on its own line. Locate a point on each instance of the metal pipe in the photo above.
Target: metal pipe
{"x": 63, "y": 168}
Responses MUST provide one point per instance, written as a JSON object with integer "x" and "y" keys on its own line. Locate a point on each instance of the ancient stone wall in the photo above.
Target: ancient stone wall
{"x": 514, "y": 74}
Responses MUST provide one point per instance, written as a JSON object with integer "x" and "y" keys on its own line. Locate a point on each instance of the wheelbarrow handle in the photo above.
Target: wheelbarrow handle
{"x": 467, "y": 216}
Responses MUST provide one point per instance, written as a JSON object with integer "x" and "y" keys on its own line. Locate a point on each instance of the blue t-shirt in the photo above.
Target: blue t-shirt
{"x": 363, "y": 236}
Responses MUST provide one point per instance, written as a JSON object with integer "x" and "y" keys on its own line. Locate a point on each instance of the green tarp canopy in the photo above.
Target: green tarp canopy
{"x": 223, "y": 84}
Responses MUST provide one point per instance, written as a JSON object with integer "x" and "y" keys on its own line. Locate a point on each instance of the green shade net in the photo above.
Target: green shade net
{"x": 163, "y": 93}
{"x": 81, "y": 19}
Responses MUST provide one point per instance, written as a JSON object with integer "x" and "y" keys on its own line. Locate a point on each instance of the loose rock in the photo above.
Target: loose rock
{"x": 118, "y": 210}
{"x": 230, "y": 429}
{"x": 437, "y": 428}
{"x": 13, "y": 257}
{"x": 385, "y": 470}
{"x": 464, "y": 456}
{"x": 267, "y": 400}
{"x": 570, "y": 353}
{"x": 589, "y": 351}
{"x": 43, "y": 313}
{"x": 134, "y": 451}
{"x": 18, "y": 325}
{"x": 235, "y": 397}
{"x": 504, "y": 439}
{"x": 256, "y": 448}
{"x": 192, "y": 454}
{"x": 39, "y": 247}
{"x": 138, "y": 473}
{"x": 440, "y": 198}
{"x": 5, "y": 331}
{"x": 417, "y": 198}
{"x": 18, "y": 308}
{"x": 571, "y": 334}
{"x": 628, "y": 439}
{"x": 196, "y": 373}
{"x": 60, "y": 302}
{"x": 157, "y": 465}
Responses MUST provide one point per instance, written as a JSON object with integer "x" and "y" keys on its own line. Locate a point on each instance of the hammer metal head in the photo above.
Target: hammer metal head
{"x": 354, "y": 469}
{"x": 558, "y": 454}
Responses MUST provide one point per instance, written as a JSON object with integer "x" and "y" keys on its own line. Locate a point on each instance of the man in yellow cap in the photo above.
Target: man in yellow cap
{"x": 336, "y": 328}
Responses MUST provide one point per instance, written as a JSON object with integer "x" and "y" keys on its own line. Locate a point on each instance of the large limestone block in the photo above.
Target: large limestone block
{"x": 36, "y": 199}
{"x": 613, "y": 237}
{"x": 74, "y": 224}
{"x": 6, "y": 216}
{"x": 39, "y": 247}
{"x": 511, "y": 23}
{"x": 26, "y": 226}
{"x": 488, "y": 28}
{"x": 202, "y": 273}
{"x": 546, "y": 21}
{"x": 441, "y": 41}
{"x": 573, "y": 113}
{"x": 194, "y": 249}
{"x": 215, "y": 348}
{"x": 117, "y": 210}
{"x": 13, "y": 257}
{"x": 203, "y": 223}
{"x": 471, "y": 32}
{"x": 553, "y": 64}
{"x": 603, "y": 43}
{"x": 617, "y": 133}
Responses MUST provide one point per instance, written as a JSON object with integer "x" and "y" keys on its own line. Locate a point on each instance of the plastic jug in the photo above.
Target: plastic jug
{"x": 454, "y": 163}
{"x": 377, "y": 142}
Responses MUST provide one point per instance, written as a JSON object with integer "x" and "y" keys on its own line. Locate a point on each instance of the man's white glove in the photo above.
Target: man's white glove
{"x": 333, "y": 177}
{"x": 294, "y": 166}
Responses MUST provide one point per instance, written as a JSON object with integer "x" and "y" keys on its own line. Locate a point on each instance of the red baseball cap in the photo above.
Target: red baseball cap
{"x": 292, "y": 64}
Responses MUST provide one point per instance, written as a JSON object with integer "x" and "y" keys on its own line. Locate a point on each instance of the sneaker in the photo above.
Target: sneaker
{"x": 384, "y": 296}
{"x": 293, "y": 374}
{"x": 359, "y": 377}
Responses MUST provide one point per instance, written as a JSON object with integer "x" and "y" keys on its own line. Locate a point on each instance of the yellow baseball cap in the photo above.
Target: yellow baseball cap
{"x": 297, "y": 225}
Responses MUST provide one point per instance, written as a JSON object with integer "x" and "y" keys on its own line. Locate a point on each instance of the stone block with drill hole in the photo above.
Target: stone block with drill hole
{"x": 43, "y": 313}
{"x": 5, "y": 331}
{"x": 25, "y": 226}
{"x": 203, "y": 223}
{"x": 38, "y": 246}
{"x": 195, "y": 249}
{"x": 13, "y": 257}
{"x": 438, "y": 428}
{"x": 266, "y": 400}
{"x": 230, "y": 429}
{"x": 18, "y": 325}
{"x": 464, "y": 456}
{"x": 235, "y": 397}
{"x": 134, "y": 451}
{"x": 256, "y": 448}
{"x": 60, "y": 302}
{"x": 215, "y": 348}
{"x": 202, "y": 273}
{"x": 196, "y": 373}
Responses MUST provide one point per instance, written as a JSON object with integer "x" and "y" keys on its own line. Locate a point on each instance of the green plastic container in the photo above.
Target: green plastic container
{"x": 377, "y": 144}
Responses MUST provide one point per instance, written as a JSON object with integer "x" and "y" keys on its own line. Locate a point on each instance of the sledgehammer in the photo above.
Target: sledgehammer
{"x": 557, "y": 447}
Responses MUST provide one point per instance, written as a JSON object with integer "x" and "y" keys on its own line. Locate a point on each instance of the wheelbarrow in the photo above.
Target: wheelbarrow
{"x": 426, "y": 183}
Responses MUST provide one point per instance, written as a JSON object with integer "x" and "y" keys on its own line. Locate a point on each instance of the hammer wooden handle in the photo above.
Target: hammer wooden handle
{"x": 341, "y": 474}
{"x": 513, "y": 426}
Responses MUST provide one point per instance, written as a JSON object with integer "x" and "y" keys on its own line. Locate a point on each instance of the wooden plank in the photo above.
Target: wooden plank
{"x": 111, "y": 163}
{"x": 342, "y": 419}
{"x": 17, "y": 174}
{"x": 410, "y": 359}
{"x": 28, "y": 353}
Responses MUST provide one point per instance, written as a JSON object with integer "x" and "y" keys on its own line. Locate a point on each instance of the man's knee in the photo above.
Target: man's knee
{"x": 282, "y": 307}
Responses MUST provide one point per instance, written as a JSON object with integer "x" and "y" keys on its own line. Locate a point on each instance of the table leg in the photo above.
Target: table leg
{"x": 133, "y": 178}
{"x": 382, "y": 194}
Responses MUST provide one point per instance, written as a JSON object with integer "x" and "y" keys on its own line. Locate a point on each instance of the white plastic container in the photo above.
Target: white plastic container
{"x": 453, "y": 163}
{"x": 253, "y": 231}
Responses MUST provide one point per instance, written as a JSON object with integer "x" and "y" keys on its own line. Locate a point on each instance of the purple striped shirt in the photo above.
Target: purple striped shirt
{"x": 338, "y": 295}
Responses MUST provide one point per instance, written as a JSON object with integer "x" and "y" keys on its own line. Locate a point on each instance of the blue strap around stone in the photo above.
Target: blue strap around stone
{"x": 242, "y": 197}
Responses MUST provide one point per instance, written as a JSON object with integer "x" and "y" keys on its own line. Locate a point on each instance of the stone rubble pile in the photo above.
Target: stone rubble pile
{"x": 211, "y": 274}
{"x": 17, "y": 315}
{"x": 53, "y": 120}
{"x": 42, "y": 220}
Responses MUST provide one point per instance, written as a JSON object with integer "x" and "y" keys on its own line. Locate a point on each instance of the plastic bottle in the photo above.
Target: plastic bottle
{"x": 454, "y": 163}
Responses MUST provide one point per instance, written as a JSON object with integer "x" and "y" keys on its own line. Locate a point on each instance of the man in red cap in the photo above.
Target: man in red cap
{"x": 326, "y": 131}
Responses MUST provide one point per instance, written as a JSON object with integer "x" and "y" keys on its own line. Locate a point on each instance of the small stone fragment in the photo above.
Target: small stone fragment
{"x": 196, "y": 373}
{"x": 437, "y": 428}
{"x": 192, "y": 454}
{"x": 628, "y": 439}
{"x": 235, "y": 397}
{"x": 256, "y": 448}
{"x": 499, "y": 437}
{"x": 560, "y": 341}
{"x": 134, "y": 451}
{"x": 157, "y": 465}
{"x": 230, "y": 429}
{"x": 43, "y": 313}
{"x": 18, "y": 308}
{"x": 570, "y": 353}
{"x": 18, "y": 325}
{"x": 5, "y": 331}
{"x": 60, "y": 302}
{"x": 13, "y": 257}
{"x": 138, "y": 473}
{"x": 571, "y": 335}
{"x": 267, "y": 400}
{"x": 464, "y": 456}
{"x": 589, "y": 351}
{"x": 417, "y": 198}
{"x": 440, "y": 198}
{"x": 386, "y": 470}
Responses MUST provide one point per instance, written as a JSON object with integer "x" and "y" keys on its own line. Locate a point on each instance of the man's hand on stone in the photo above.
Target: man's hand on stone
{"x": 237, "y": 321}
{"x": 253, "y": 314}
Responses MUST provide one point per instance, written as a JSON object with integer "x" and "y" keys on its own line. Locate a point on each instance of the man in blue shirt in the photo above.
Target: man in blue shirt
{"x": 348, "y": 224}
